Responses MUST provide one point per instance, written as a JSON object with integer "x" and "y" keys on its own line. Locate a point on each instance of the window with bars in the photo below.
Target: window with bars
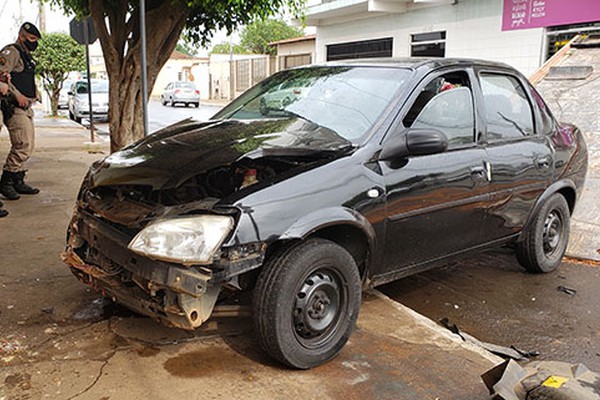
{"x": 375, "y": 48}
{"x": 430, "y": 44}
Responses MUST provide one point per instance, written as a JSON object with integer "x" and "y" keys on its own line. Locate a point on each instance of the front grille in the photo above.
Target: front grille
{"x": 123, "y": 207}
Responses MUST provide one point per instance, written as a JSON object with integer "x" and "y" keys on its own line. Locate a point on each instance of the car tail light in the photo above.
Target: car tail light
{"x": 177, "y": 91}
{"x": 196, "y": 92}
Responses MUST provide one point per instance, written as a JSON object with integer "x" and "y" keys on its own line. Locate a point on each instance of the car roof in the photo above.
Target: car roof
{"x": 415, "y": 62}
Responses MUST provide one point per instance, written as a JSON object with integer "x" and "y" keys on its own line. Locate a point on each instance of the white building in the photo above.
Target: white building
{"x": 518, "y": 32}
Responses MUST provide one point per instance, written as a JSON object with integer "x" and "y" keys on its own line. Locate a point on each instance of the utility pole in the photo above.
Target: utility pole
{"x": 231, "y": 71}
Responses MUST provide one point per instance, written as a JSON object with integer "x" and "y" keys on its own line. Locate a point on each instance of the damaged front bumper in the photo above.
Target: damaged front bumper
{"x": 177, "y": 295}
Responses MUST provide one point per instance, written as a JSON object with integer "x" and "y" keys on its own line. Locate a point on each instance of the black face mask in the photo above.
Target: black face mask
{"x": 31, "y": 46}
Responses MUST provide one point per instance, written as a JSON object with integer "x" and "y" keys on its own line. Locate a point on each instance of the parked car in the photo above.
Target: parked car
{"x": 382, "y": 169}
{"x": 79, "y": 106}
{"x": 181, "y": 92}
{"x": 63, "y": 96}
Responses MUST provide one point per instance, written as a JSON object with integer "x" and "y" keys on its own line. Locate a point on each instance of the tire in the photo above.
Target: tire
{"x": 546, "y": 239}
{"x": 306, "y": 303}
{"x": 172, "y": 103}
{"x": 196, "y": 105}
{"x": 163, "y": 102}
{"x": 71, "y": 116}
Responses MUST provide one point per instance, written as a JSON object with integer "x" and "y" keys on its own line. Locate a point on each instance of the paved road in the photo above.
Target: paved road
{"x": 161, "y": 116}
{"x": 492, "y": 298}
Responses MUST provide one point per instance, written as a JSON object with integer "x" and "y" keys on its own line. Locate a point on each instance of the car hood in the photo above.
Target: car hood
{"x": 173, "y": 155}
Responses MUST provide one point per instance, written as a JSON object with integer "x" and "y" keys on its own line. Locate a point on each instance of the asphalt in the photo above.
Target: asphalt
{"x": 60, "y": 340}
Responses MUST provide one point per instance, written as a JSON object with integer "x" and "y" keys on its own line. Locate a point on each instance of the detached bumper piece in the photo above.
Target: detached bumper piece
{"x": 98, "y": 256}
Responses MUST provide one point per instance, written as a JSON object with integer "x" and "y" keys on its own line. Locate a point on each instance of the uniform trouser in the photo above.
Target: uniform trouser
{"x": 22, "y": 139}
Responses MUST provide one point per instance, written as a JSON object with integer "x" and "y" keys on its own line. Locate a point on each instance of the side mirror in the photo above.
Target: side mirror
{"x": 415, "y": 142}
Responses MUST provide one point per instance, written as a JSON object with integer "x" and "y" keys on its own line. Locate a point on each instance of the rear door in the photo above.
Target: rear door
{"x": 435, "y": 203}
{"x": 520, "y": 158}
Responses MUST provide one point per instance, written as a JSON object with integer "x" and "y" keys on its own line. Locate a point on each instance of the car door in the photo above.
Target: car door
{"x": 521, "y": 159}
{"x": 435, "y": 204}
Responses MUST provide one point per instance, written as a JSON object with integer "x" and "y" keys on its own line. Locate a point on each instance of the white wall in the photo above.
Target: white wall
{"x": 473, "y": 30}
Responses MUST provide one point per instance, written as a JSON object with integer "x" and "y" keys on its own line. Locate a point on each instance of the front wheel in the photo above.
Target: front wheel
{"x": 546, "y": 239}
{"x": 306, "y": 303}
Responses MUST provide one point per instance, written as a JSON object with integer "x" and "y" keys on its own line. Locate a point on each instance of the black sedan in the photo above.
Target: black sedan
{"x": 369, "y": 171}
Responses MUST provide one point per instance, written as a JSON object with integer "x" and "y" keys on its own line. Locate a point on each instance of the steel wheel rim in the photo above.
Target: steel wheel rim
{"x": 319, "y": 302}
{"x": 553, "y": 232}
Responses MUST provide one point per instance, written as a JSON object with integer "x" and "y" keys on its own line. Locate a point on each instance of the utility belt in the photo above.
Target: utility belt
{"x": 8, "y": 104}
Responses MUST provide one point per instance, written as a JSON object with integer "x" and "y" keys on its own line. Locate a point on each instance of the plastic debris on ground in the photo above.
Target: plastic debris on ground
{"x": 542, "y": 380}
{"x": 507, "y": 352}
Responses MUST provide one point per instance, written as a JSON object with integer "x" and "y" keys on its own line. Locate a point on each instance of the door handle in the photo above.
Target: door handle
{"x": 478, "y": 172}
{"x": 483, "y": 172}
{"x": 543, "y": 162}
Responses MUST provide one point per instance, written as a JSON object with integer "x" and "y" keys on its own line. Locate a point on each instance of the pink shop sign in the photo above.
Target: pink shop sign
{"x": 524, "y": 14}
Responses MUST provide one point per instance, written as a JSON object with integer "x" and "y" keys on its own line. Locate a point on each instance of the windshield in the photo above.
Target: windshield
{"x": 97, "y": 87}
{"x": 346, "y": 100}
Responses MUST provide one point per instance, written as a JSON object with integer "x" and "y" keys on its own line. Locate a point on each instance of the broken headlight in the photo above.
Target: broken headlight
{"x": 184, "y": 240}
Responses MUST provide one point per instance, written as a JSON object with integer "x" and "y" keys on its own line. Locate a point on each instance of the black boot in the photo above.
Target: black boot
{"x": 3, "y": 213}
{"x": 7, "y": 187}
{"x": 20, "y": 185}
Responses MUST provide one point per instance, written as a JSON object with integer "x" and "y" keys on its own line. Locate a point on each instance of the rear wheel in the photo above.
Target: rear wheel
{"x": 547, "y": 237}
{"x": 306, "y": 303}
{"x": 172, "y": 103}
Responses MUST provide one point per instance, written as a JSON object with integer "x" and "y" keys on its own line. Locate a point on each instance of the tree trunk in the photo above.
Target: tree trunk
{"x": 54, "y": 101}
{"x": 121, "y": 49}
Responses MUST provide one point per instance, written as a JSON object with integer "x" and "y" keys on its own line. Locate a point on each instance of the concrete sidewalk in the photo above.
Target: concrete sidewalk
{"x": 59, "y": 340}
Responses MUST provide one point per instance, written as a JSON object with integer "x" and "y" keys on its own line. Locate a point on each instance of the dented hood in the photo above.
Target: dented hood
{"x": 171, "y": 156}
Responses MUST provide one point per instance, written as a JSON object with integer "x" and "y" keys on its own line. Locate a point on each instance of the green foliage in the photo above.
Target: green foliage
{"x": 223, "y": 48}
{"x": 204, "y": 17}
{"x": 185, "y": 49}
{"x": 257, "y": 36}
{"x": 57, "y": 55}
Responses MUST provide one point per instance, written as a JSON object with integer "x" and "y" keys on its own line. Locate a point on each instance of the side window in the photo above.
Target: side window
{"x": 446, "y": 104}
{"x": 509, "y": 114}
{"x": 548, "y": 122}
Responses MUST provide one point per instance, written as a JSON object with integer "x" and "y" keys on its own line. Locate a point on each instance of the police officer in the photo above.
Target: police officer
{"x": 16, "y": 59}
{"x": 4, "y": 79}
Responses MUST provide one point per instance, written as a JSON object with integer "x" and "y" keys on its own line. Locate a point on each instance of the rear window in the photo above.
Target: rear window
{"x": 509, "y": 114}
{"x": 185, "y": 85}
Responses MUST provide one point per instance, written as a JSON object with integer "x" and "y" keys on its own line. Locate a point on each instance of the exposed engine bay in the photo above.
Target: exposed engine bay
{"x": 108, "y": 217}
